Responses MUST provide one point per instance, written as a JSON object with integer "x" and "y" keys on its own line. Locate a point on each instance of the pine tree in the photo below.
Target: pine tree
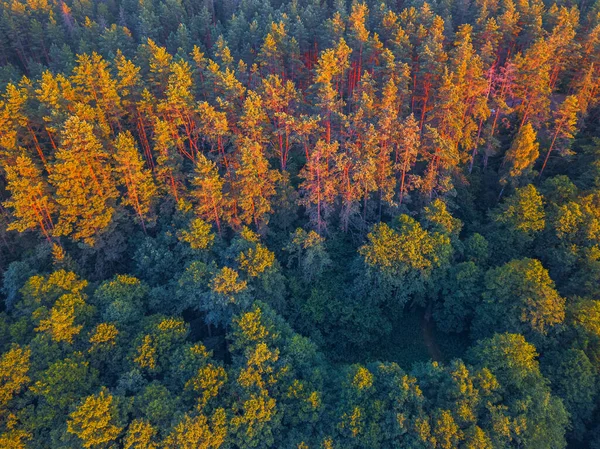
{"x": 441, "y": 154}
{"x": 129, "y": 83}
{"x": 271, "y": 56}
{"x": 359, "y": 32}
{"x": 130, "y": 171}
{"x": 159, "y": 62}
{"x": 407, "y": 151}
{"x": 330, "y": 70}
{"x": 253, "y": 120}
{"x": 562, "y": 40}
{"x": 278, "y": 98}
{"x": 56, "y": 94}
{"x": 428, "y": 74}
{"x": 210, "y": 199}
{"x": 501, "y": 85}
{"x": 168, "y": 160}
{"x": 95, "y": 85}
{"x": 254, "y": 184}
{"x": 17, "y": 122}
{"x": 82, "y": 177}
{"x": 473, "y": 90}
{"x": 178, "y": 107}
{"x": 565, "y": 121}
{"x": 31, "y": 202}
{"x": 522, "y": 154}
{"x": 532, "y": 87}
{"x": 587, "y": 90}
{"x": 319, "y": 187}
{"x": 387, "y": 134}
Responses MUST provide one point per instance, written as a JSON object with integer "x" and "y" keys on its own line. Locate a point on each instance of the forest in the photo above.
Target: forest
{"x": 299, "y": 224}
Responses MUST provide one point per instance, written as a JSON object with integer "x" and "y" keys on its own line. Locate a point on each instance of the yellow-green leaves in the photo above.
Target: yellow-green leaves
{"x": 61, "y": 322}
{"x": 523, "y": 212}
{"x": 14, "y": 369}
{"x": 95, "y": 420}
{"x": 104, "y": 336}
{"x": 140, "y": 435}
{"x": 198, "y": 432}
{"x": 226, "y": 283}
{"x": 199, "y": 236}
{"x": 255, "y": 261}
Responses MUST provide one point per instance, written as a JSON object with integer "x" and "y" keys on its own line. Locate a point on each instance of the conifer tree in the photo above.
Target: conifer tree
{"x": 278, "y": 98}
{"x": 159, "y": 62}
{"x": 55, "y": 93}
{"x": 82, "y": 177}
{"x": 430, "y": 69}
{"x": 208, "y": 193}
{"x": 129, "y": 82}
{"x": 565, "y": 120}
{"x": 17, "y": 122}
{"x": 178, "y": 107}
{"x": 532, "y": 85}
{"x": 473, "y": 89}
{"x": 330, "y": 71}
{"x": 586, "y": 86}
{"x": 561, "y": 40}
{"x": 168, "y": 160}
{"x": 271, "y": 54}
{"x": 95, "y": 85}
{"x": 407, "y": 151}
{"x": 319, "y": 186}
{"x": 131, "y": 173}
{"x": 253, "y": 119}
{"x": 522, "y": 154}
{"x": 441, "y": 154}
{"x": 214, "y": 126}
{"x": 254, "y": 185}
{"x": 32, "y": 205}
{"x": 359, "y": 32}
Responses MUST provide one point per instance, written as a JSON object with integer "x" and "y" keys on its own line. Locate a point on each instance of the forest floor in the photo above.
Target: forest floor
{"x": 430, "y": 339}
{"x": 415, "y": 340}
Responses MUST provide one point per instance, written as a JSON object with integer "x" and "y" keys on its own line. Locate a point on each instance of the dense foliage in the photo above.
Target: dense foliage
{"x": 299, "y": 224}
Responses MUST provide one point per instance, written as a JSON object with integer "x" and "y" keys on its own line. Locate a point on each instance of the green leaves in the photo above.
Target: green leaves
{"x": 404, "y": 258}
{"x": 519, "y": 297}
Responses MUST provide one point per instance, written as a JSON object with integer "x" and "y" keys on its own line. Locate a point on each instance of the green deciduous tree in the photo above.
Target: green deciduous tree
{"x": 533, "y": 416}
{"x": 95, "y": 421}
{"x": 401, "y": 261}
{"x": 519, "y": 297}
